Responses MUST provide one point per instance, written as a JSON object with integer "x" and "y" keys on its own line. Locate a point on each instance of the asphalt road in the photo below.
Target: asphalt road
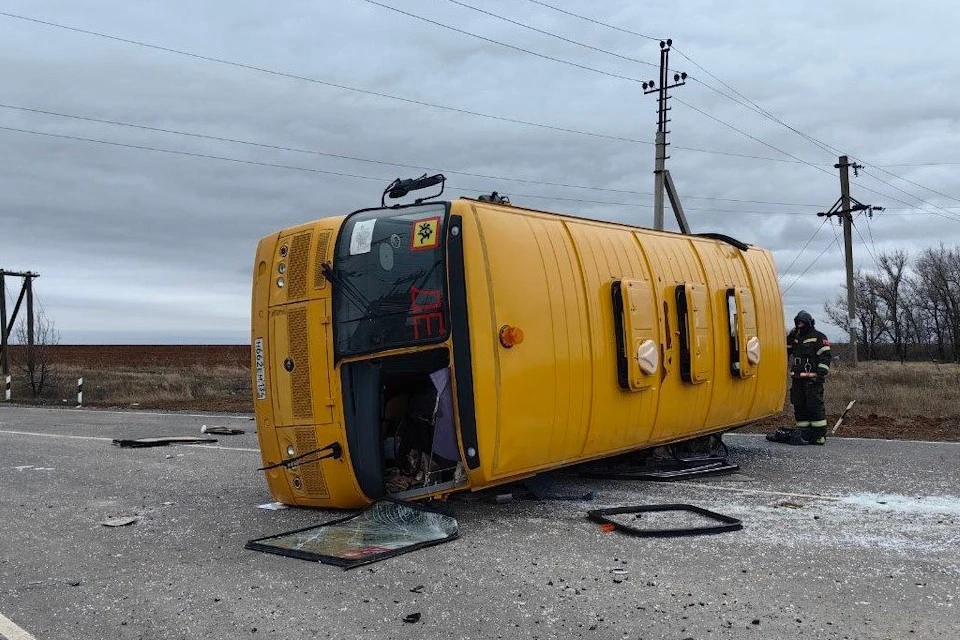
{"x": 858, "y": 539}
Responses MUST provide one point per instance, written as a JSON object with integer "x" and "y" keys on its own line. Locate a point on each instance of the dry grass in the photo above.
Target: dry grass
{"x": 915, "y": 400}
{"x": 894, "y": 389}
{"x": 198, "y": 387}
{"x": 912, "y": 400}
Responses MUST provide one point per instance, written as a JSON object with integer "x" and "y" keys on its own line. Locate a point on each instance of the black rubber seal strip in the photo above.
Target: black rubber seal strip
{"x": 680, "y": 294}
{"x": 727, "y": 523}
{"x": 743, "y": 246}
{"x": 703, "y": 471}
{"x": 462, "y": 360}
{"x": 623, "y": 372}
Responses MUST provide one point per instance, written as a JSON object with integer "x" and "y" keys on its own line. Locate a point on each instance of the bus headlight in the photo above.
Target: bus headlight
{"x": 291, "y": 450}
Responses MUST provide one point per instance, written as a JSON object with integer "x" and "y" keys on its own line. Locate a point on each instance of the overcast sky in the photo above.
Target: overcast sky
{"x": 138, "y": 246}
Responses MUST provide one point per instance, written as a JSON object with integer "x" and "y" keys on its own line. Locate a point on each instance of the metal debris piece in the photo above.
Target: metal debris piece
{"x": 789, "y": 504}
{"x": 120, "y": 521}
{"x": 842, "y": 416}
{"x": 417, "y": 589}
{"x": 161, "y": 441}
{"x": 716, "y": 467}
{"x": 412, "y": 618}
{"x": 272, "y": 506}
{"x": 727, "y": 523}
{"x": 222, "y": 431}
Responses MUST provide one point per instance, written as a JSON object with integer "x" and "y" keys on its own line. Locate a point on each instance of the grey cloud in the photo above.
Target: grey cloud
{"x": 142, "y": 246}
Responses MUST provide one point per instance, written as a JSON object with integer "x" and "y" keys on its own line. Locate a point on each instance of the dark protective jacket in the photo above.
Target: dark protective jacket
{"x": 808, "y": 354}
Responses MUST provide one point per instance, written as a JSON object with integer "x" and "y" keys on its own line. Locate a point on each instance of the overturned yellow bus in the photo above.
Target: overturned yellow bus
{"x": 413, "y": 351}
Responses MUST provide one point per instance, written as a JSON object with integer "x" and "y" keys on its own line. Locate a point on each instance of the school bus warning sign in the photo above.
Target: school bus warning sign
{"x": 425, "y": 234}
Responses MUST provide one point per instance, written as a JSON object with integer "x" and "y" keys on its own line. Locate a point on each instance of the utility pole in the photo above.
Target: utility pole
{"x": 844, "y": 207}
{"x": 844, "y": 166}
{"x": 662, "y": 179}
{"x": 6, "y": 326}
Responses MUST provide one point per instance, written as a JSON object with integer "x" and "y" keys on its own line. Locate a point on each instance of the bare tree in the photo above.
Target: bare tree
{"x": 870, "y": 319}
{"x": 37, "y": 363}
{"x": 939, "y": 273}
{"x": 889, "y": 287}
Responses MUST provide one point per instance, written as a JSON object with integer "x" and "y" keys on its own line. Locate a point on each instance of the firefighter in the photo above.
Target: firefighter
{"x": 808, "y": 354}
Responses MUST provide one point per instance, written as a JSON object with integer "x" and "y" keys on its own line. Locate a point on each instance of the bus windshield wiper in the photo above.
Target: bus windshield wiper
{"x": 349, "y": 290}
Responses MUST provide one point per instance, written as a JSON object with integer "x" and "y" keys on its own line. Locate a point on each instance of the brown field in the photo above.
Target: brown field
{"x": 189, "y": 377}
{"x": 913, "y": 400}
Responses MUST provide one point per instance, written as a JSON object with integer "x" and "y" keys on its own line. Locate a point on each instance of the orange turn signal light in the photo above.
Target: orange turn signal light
{"x": 510, "y": 336}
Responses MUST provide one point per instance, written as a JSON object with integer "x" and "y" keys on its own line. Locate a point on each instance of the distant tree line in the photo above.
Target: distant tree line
{"x": 908, "y": 309}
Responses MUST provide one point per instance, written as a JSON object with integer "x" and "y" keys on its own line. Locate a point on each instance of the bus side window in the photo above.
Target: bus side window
{"x": 680, "y": 294}
{"x": 734, "y": 336}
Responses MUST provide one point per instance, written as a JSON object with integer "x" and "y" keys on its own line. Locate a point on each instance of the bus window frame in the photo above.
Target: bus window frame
{"x": 339, "y": 357}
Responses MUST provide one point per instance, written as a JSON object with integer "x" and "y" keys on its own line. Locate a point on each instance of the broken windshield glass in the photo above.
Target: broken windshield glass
{"x": 384, "y": 530}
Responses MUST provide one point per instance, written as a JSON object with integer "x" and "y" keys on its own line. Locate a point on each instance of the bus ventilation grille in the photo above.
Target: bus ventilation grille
{"x": 299, "y": 350}
{"x": 323, "y": 242}
{"x": 311, "y": 473}
{"x": 297, "y": 267}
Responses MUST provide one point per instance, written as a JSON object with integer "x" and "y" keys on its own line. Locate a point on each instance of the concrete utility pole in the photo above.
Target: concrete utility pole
{"x": 844, "y": 207}
{"x": 662, "y": 179}
{"x": 844, "y": 166}
{"x": 6, "y": 326}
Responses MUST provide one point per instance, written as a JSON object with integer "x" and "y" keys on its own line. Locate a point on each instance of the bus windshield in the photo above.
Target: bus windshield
{"x": 389, "y": 280}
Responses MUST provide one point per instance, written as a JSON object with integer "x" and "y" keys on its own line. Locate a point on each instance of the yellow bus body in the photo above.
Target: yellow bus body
{"x": 626, "y": 344}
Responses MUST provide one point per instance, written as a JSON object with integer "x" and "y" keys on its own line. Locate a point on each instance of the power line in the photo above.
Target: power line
{"x": 802, "y": 249}
{"x": 376, "y": 178}
{"x": 752, "y": 137}
{"x": 919, "y": 164}
{"x": 743, "y": 100}
{"x": 873, "y": 257}
{"x": 592, "y": 20}
{"x": 809, "y": 266}
{"x": 187, "y": 153}
{"x": 206, "y": 156}
{"x": 420, "y": 102}
{"x": 870, "y": 233}
{"x": 917, "y": 184}
{"x": 579, "y": 66}
{"x": 549, "y": 33}
{"x": 503, "y": 44}
{"x": 947, "y": 214}
{"x": 378, "y": 94}
{"x": 370, "y": 160}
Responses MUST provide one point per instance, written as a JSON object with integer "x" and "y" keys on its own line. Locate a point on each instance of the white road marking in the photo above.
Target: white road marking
{"x": 214, "y": 446}
{"x": 137, "y": 412}
{"x": 10, "y": 631}
{"x": 99, "y": 438}
{"x": 717, "y": 487}
{"x": 53, "y": 435}
{"x": 936, "y": 442}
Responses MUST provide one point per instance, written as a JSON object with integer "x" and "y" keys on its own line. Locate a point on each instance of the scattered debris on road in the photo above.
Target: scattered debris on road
{"x": 602, "y": 516}
{"x": 222, "y": 431}
{"x": 120, "y": 521}
{"x": 842, "y": 416}
{"x": 272, "y": 506}
{"x": 383, "y": 530}
{"x": 161, "y": 441}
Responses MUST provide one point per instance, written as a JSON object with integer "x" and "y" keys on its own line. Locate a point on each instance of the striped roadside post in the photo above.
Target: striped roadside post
{"x": 6, "y": 392}
{"x": 79, "y": 392}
